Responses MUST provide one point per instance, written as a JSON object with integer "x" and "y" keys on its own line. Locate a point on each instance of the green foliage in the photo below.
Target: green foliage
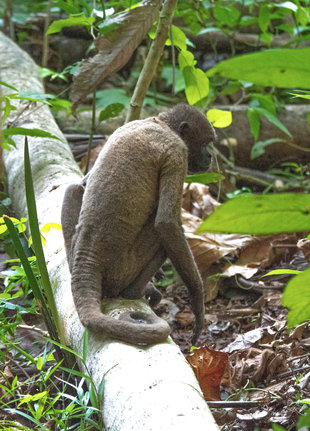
{"x": 219, "y": 118}
{"x": 37, "y": 244}
{"x": 287, "y": 212}
{"x": 287, "y": 68}
{"x": 206, "y": 178}
{"x": 73, "y": 20}
{"x": 111, "y": 111}
{"x": 296, "y": 296}
{"x": 272, "y": 214}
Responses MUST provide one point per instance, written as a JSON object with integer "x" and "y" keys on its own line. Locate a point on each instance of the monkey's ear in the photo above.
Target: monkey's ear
{"x": 184, "y": 129}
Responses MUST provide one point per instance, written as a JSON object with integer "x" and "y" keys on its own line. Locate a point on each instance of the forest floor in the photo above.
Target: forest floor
{"x": 268, "y": 366}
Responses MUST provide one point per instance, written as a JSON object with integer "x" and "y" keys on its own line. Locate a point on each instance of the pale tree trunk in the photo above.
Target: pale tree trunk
{"x": 146, "y": 388}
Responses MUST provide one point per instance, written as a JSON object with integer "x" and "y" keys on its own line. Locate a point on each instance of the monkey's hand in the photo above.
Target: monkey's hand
{"x": 199, "y": 311}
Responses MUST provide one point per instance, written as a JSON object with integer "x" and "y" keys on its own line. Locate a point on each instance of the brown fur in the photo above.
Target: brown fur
{"x": 123, "y": 221}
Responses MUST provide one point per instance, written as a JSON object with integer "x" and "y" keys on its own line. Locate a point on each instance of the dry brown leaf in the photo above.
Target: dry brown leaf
{"x": 254, "y": 364}
{"x": 209, "y": 367}
{"x": 261, "y": 252}
{"x": 209, "y": 247}
{"x": 116, "y": 48}
{"x": 198, "y": 201}
{"x": 245, "y": 341}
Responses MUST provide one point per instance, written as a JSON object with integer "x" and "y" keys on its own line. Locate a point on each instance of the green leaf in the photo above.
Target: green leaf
{"x": 28, "y": 132}
{"x": 275, "y": 213}
{"x": 118, "y": 95}
{"x": 277, "y": 427}
{"x": 24, "y": 260}
{"x": 302, "y": 16}
{"x": 254, "y": 121}
{"x": 274, "y": 120}
{"x": 259, "y": 147}
{"x": 264, "y": 18}
{"x": 196, "y": 84}
{"x": 304, "y": 420}
{"x": 282, "y": 272}
{"x": 167, "y": 74}
{"x": 296, "y": 297}
{"x": 219, "y": 118}
{"x": 30, "y": 398}
{"x": 226, "y": 15}
{"x": 37, "y": 244}
{"x": 111, "y": 111}
{"x": 8, "y": 86}
{"x": 48, "y": 226}
{"x": 178, "y": 38}
{"x": 274, "y": 67}
{"x": 73, "y": 21}
{"x": 206, "y": 178}
{"x": 186, "y": 59}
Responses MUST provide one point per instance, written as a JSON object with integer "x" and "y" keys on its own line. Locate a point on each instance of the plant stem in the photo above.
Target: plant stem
{"x": 152, "y": 60}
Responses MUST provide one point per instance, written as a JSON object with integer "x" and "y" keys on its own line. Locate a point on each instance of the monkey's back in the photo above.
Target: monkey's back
{"x": 122, "y": 191}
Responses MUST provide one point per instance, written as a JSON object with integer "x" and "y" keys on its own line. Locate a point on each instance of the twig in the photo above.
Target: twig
{"x": 152, "y": 60}
{"x": 234, "y": 404}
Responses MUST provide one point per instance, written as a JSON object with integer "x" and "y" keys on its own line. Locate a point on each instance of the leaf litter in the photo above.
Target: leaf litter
{"x": 266, "y": 363}
{"x": 247, "y": 355}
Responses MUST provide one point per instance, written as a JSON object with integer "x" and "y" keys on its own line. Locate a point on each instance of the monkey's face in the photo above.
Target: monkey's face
{"x": 197, "y": 139}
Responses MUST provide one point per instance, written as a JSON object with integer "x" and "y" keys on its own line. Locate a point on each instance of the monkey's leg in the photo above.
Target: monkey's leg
{"x": 70, "y": 213}
{"x": 141, "y": 285}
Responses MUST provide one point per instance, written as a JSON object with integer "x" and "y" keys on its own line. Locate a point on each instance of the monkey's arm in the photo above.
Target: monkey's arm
{"x": 169, "y": 227}
{"x": 70, "y": 213}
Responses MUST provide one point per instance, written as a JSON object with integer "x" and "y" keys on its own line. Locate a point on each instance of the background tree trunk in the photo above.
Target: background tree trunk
{"x": 151, "y": 388}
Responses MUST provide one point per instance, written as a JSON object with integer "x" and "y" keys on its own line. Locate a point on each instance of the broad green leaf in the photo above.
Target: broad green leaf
{"x": 259, "y": 147}
{"x": 118, "y": 95}
{"x": 264, "y": 17}
{"x": 73, "y": 21}
{"x": 282, "y": 272}
{"x": 167, "y": 74}
{"x": 254, "y": 121}
{"x": 207, "y": 178}
{"x": 28, "y": 132}
{"x": 111, "y": 111}
{"x": 261, "y": 214}
{"x": 219, "y": 118}
{"x": 178, "y": 37}
{"x": 186, "y": 59}
{"x": 274, "y": 67}
{"x": 302, "y": 16}
{"x": 196, "y": 84}
{"x": 226, "y": 15}
{"x": 296, "y": 297}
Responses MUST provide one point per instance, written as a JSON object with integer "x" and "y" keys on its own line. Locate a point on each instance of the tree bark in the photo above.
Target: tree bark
{"x": 146, "y": 388}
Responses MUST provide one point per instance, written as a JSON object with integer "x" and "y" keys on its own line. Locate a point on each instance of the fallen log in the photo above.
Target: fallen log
{"x": 146, "y": 388}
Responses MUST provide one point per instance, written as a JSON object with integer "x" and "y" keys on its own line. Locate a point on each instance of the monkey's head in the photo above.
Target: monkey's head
{"x": 195, "y": 130}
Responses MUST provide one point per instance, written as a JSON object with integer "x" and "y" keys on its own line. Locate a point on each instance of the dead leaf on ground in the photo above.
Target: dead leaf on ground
{"x": 261, "y": 252}
{"x": 198, "y": 201}
{"x": 115, "y": 48}
{"x": 209, "y": 367}
{"x": 245, "y": 341}
{"x": 256, "y": 365}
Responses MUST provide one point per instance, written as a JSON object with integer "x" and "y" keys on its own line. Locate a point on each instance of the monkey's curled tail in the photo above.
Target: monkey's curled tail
{"x": 134, "y": 327}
